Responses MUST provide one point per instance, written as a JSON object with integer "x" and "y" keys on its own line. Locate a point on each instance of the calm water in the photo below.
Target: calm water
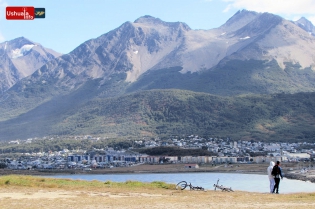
{"x": 241, "y": 182}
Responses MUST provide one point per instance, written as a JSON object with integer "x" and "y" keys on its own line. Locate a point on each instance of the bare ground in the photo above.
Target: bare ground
{"x": 17, "y": 197}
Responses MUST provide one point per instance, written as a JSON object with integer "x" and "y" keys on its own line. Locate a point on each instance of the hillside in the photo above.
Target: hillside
{"x": 279, "y": 117}
{"x": 252, "y": 52}
{"x": 122, "y": 83}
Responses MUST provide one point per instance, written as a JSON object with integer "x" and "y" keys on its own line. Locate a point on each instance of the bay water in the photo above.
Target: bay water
{"x": 240, "y": 182}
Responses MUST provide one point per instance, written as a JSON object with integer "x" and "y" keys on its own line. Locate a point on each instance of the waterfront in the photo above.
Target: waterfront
{"x": 38, "y": 192}
{"x": 239, "y": 182}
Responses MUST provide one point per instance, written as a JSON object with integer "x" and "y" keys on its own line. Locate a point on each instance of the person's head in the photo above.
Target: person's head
{"x": 278, "y": 162}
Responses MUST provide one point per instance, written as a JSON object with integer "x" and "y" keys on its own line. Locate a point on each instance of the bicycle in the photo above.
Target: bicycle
{"x": 223, "y": 188}
{"x": 183, "y": 184}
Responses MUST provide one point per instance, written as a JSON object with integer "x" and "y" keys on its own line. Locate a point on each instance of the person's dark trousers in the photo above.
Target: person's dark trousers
{"x": 276, "y": 187}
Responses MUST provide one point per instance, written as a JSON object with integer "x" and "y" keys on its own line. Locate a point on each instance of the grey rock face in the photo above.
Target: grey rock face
{"x": 149, "y": 44}
{"x": 252, "y": 53}
{"x": 306, "y": 25}
{"x": 20, "y": 58}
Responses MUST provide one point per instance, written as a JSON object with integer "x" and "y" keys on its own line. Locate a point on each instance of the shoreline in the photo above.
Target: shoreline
{"x": 289, "y": 171}
{"x": 20, "y": 191}
{"x": 31, "y": 192}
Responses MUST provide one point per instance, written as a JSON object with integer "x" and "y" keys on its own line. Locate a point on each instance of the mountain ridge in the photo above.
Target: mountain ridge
{"x": 20, "y": 58}
{"x": 140, "y": 48}
{"x": 306, "y": 25}
{"x": 252, "y": 53}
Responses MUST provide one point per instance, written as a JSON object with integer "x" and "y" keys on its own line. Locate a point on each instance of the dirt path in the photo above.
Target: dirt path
{"x": 20, "y": 198}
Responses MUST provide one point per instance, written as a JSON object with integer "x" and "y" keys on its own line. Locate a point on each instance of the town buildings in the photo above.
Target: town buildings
{"x": 223, "y": 151}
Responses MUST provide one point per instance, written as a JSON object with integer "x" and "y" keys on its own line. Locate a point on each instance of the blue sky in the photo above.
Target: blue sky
{"x": 69, "y": 23}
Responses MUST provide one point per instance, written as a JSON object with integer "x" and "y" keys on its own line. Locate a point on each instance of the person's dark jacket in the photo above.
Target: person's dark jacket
{"x": 279, "y": 171}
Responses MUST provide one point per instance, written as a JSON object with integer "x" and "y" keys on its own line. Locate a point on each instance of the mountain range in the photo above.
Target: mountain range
{"x": 252, "y": 55}
{"x": 20, "y": 58}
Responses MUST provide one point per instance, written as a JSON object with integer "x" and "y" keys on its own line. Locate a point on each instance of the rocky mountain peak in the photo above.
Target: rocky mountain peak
{"x": 149, "y": 20}
{"x": 20, "y": 57}
{"x": 19, "y": 42}
{"x": 306, "y": 25}
{"x": 239, "y": 20}
{"x": 21, "y": 39}
{"x": 304, "y": 21}
{"x": 253, "y": 53}
{"x": 260, "y": 25}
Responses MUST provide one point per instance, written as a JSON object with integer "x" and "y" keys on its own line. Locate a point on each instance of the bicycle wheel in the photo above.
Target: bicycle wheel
{"x": 181, "y": 185}
{"x": 198, "y": 188}
{"x": 201, "y": 188}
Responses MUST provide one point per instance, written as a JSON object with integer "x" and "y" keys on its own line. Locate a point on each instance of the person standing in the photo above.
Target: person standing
{"x": 276, "y": 171}
{"x": 270, "y": 176}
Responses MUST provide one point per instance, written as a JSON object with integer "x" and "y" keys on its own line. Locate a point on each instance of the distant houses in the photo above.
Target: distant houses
{"x": 224, "y": 151}
{"x": 132, "y": 157}
{"x": 108, "y": 156}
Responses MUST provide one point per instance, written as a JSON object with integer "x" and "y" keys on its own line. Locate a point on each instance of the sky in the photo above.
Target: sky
{"x": 69, "y": 23}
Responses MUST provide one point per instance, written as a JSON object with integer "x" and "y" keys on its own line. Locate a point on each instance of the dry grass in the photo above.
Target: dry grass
{"x": 31, "y": 192}
{"x": 69, "y": 184}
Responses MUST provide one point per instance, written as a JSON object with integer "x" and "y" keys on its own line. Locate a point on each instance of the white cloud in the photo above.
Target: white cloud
{"x": 287, "y": 7}
{"x": 228, "y": 8}
{"x": 312, "y": 19}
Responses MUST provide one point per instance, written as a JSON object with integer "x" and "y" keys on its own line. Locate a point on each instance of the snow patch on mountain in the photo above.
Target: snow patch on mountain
{"x": 21, "y": 51}
{"x": 247, "y": 37}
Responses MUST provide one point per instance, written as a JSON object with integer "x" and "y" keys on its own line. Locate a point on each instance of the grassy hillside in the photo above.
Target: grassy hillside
{"x": 280, "y": 117}
{"x": 152, "y": 106}
{"x": 31, "y": 95}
